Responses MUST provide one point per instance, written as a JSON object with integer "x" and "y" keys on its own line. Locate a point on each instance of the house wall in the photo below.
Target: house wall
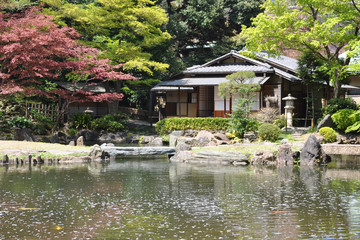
{"x": 187, "y": 106}
{"x": 206, "y": 101}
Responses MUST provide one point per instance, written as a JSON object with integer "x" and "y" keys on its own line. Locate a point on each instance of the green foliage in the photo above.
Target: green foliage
{"x": 168, "y": 125}
{"x": 126, "y": 29}
{"x": 21, "y": 122}
{"x": 324, "y": 28}
{"x": 239, "y": 124}
{"x": 355, "y": 118}
{"x": 109, "y": 123}
{"x": 268, "y": 131}
{"x": 281, "y": 121}
{"x": 71, "y": 132}
{"x": 80, "y": 121}
{"x": 328, "y": 133}
{"x": 336, "y": 104}
{"x": 342, "y": 118}
{"x": 137, "y": 92}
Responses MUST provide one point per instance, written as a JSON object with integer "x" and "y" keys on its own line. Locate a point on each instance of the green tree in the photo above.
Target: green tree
{"x": 202, "y": 29}
{"x": 324, "y": 28}
{"x": 126, "y": 29}
{"x": 240, "y": 85}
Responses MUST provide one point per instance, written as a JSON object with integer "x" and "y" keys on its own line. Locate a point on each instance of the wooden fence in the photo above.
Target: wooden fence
{"x": 50, "y": 111}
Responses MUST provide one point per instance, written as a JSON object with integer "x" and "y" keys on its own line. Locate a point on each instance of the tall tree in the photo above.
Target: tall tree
{"x": 126, "y": 29}
{"x": 35, "y": 52}
{"x": 324, "y": 28}
{"x": 202, "y": 29}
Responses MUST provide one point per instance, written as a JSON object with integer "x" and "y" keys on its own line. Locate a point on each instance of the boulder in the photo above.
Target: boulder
{"x": 24, "y": 134}
{"x": 72, "y": 143}
{"x": 326, "y": 122}
{"x": 173, "y": 137}
{"x": 59, "y": 137}
{"x": 285, "y": 156}
{"x": 263, "y": 157}
{"x": 251, "y": 137}
{"x": 146, "y": 139}
{"x": 182, "y": 147}
{"x": 80, "y": 141}
{"x": 134, "y": 139}
{"x": 89, "y": 135}
{"x": 211, "y": 157}
{"x": 205, "y": 134}
{"x": 96, "y": 153}
{"x": 203, "y": 141}
{"x": 118, "y": 137}
{"x": 190, "y": 133}
{"x": 157, "y": 142}
{"x": 221, "y": 137}
{"x": 313, "y": 153}
{"x": 187, "y": 140}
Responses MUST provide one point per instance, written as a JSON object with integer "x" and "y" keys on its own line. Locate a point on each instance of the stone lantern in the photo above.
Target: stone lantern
{"x": 289, "y": 109}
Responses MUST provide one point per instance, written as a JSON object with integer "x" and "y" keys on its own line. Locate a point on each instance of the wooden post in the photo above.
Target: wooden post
{"x": 150, "y": 108}
{"x": 179, "y": 102}
{"x": 224, "y": 107}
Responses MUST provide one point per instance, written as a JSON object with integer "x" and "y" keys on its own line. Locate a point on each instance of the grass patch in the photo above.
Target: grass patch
{"x": 37, "y": 146}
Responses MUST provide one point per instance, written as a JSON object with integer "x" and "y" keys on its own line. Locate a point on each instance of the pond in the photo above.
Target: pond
{"x": 154, "y": 199}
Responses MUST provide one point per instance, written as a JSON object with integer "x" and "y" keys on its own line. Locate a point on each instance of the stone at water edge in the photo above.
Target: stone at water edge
{"x": 285, "y": 156}
{"x": 173, "y": 137}
{"x": 263, "y": 157}
{"x": 312, "y": 152}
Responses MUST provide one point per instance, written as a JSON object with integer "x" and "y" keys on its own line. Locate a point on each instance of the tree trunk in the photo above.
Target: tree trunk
{"x": 337, "y": 88}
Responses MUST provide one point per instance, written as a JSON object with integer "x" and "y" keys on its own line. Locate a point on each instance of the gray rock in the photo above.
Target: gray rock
{"x": 97, "y": 153}
{"x": 263, "y": 157}
{"x": 72, "y": 143}
{"x": 59, "y": 137}
{"x": 284, "y": 156}
{"x": 118, "y": 137}
{"x": 250, "y": 137}
{"x": 284, "y": 141}
{"x": 107, "y": 145}
{"x": 134, "y": 139}
{"x": 138, "y": 151}
{"x": 205, "y": 134}
{"x": 203, "y": 141}
{"x": 190, "y": 133}
{"x": 312, "y": 152}
{"x": 221, "y": 136}
{"x": 146, "y": 139}
{"x": 326, "y": 122}
{"x": 24, "y": 134}
{"x": 157, "y": 142}
{"x": 173, "y": 137}
{"x": 89, "y": 135}
{"x": 182, "y": 147}
{"x": 187, "y": 140}
{"x": 80, "y": 141}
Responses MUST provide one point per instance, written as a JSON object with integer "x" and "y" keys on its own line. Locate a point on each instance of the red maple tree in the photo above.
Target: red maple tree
{"x": 34, "y": 51}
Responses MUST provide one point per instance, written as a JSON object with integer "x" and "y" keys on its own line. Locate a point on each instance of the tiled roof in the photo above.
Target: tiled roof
{"x": 283, "y": 61}
{"x": 225, "y": 69}
{"x": 206, "y": 81}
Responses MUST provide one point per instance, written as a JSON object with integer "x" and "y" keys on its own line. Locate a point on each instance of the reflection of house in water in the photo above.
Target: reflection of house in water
{"x": 194, "y": 92}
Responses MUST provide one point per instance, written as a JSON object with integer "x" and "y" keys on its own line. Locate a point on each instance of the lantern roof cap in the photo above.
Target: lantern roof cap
{"x": 289, "y": 97}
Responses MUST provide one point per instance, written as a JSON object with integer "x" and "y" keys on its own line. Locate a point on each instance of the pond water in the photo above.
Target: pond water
{"x": 154, "y": 199}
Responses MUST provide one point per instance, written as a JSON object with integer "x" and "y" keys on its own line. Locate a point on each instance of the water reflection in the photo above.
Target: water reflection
{"x": 152, "y": 198}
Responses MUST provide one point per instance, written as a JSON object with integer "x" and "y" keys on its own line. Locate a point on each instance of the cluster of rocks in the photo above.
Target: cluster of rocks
{"x": 311, "y": 153}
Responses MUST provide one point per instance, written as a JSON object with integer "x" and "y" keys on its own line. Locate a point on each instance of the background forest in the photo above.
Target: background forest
{"x": 152, "y": 40}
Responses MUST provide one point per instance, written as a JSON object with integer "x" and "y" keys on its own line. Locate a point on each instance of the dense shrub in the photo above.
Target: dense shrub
{"x": 20, "y": 122}
{"x": 342, "y": 118}
{"x": 267, "y": 115}
{"x": 268, "y": 131}
{"x": 281, "y": 121}
{"x": 168, "y": 125}
{"x": 355, "y": 118}
{"x": 110, "y": 122}
{"x": 336, "y": 104}
{"x": 80, "y": 121}
{"x": 328, "y": 133}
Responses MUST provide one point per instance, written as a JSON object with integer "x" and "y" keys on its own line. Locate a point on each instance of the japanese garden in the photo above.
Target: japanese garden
{"x": 179, "y": 119}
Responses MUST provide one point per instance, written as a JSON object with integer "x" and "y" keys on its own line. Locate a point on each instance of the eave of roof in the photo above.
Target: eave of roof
{"x": 205, "y": 81}
{"x": 228, "y": 69}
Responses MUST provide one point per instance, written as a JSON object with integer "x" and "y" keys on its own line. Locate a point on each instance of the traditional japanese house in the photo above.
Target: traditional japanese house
{"x": 194, "y": 92}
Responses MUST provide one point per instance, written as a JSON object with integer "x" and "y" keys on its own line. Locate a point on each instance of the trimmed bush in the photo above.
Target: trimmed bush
{"x": 342, "y": 118}
{"x": 336, "y": 104}
{"x": 268, "y": 131}
{"x": 168, "y": 125}
{"x": 21, "y": 122}
{"x": 328, "y": 133}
